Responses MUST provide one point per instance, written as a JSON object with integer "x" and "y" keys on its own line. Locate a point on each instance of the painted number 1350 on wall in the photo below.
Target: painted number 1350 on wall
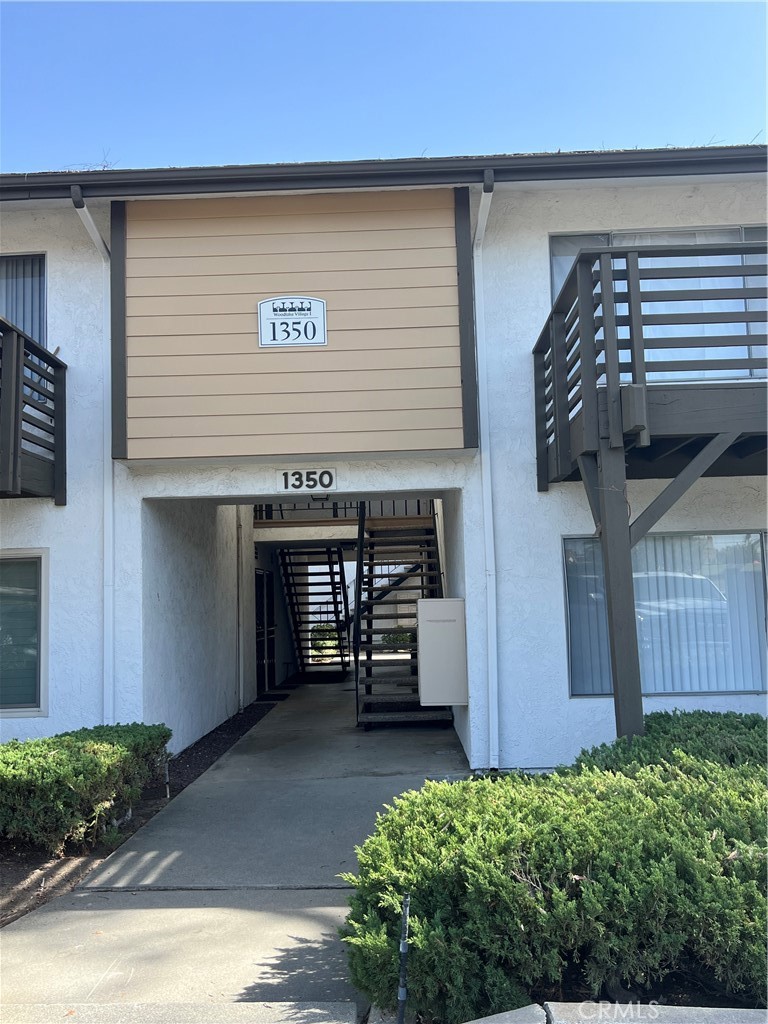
{"x": 306, "y": 480}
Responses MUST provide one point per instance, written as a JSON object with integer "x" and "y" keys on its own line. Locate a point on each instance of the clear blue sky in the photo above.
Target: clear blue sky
{"x": 139, "y": 84}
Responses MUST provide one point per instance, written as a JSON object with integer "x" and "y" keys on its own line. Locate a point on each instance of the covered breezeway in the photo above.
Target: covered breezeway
{"x": 219, "y": 612}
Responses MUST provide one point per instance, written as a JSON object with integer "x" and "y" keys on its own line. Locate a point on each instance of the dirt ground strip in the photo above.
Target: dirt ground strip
{"x": 29, "y": 878}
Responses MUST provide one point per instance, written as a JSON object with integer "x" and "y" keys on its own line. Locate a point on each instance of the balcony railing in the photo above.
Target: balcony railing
{"x": 326, "y": 508}
{"x": 642, "y": 317}
{"x": 32, "y": 418}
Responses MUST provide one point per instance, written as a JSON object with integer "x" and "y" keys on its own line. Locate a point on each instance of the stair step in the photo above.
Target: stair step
{"x": 306, "y": 626}
{"x": 425, "y": 715}
{"x": 377, "y": 524}
{"x": 389, "y": 698}
{"x": 403, "y": 540}
{"x": 318, "y": 572}
{"x": 402, "y": 587}
{"x": 389, "y": 680}
{"x": 389, "y": 647}
{"x": 319, "y": 551}
{"x": 403, "y": 610}
{"x": 389, "y": 629}
{"x": 406, "y": 543}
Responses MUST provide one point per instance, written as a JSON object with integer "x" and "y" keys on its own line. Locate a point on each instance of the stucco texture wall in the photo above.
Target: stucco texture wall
{"x": 190, "y": 613}
{"x": 541, "y": 725}
{"x": 72, "y": 533}
{"x": 201, "y": 485}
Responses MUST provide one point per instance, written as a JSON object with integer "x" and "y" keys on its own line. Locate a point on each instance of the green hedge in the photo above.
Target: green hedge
{"x": 723, "y": 737}
{"x": 587, "y": 880}
{"x": 63, "y": 788}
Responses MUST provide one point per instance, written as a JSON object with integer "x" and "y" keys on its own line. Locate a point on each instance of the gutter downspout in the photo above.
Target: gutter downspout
{"x": 486, "y": 473}
{"x": 108, "y": 470}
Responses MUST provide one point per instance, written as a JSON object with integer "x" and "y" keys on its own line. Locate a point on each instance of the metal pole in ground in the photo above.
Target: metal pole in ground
{"x": 402, "y": 992}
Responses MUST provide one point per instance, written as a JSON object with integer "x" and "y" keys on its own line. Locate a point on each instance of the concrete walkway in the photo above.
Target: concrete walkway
{"x": 230, "y": 895}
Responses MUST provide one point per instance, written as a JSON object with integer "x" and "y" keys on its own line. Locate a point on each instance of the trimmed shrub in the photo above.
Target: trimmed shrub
{"x": 585, "y": 880}
{"x": 324, "y": 640}
{"x": 398, "y": 636}
{"x": 64, "y": 788}
{"x": 726, "y": 738}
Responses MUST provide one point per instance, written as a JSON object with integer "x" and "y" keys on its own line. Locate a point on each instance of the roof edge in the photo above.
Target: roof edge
{"x": 462, "y": 170}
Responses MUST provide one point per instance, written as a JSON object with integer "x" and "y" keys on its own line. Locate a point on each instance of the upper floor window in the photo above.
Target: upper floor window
{"x": 565, "y": 248}
{"x": 22, "y": 294}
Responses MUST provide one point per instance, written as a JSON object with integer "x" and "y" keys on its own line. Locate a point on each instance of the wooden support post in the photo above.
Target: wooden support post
{"x": 540, "y": 402}
{"x": 60, "y": 436}
{"x": 677, "y": 488}
{"x": 589, "y": 477}
{"x": 588, "y": 353}
{"x": 619, "y": 593}
{"x": 637, "y": 348}
{"x": 611, "y": 350}
{"x": 11, "y": 372}
{"x": 560, "y": 392}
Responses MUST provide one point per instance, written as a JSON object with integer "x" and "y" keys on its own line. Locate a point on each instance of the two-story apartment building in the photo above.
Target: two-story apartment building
{"x": 534, "y": 383}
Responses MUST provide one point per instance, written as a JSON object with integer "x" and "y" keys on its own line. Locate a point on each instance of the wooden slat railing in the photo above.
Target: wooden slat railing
{"x": 33, "y": 418}
{"x": 615, "y": 322}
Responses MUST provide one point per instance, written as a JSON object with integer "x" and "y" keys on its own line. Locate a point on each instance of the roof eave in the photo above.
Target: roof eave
{"x": 434, "y": 171}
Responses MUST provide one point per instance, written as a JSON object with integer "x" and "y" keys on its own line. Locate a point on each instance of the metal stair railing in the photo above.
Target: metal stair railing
{"x": 358, "y": 604}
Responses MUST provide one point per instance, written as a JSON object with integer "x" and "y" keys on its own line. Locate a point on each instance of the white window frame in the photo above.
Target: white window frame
{"x": 662, "y": 694}
{"x": 43, "y": 555}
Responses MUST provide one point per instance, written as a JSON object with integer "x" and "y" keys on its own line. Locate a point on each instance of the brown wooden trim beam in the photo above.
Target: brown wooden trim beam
{"x": 677, "y": 488}
{"x": 619, "y": 591}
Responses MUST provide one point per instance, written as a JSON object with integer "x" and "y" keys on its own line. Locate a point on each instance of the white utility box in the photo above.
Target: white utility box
{"x": 442, "y": 651}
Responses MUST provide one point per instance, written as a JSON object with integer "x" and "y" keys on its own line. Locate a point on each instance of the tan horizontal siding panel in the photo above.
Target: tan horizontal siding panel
{"x": 331, "y": 421}
{"x": 292, "y": 383}
{"x": 289, "y": 283}
{"x": 275, "y": 362}
{"x": 295, "y": 444}
{"x": 266, "y": 245}
{"x": 306, "y": 402}
{"x": 379, "y": 298}
{"x": 343, "y": 341}
{"x": 151, "y": 211}
{"x": 245, "y": 323}
{"x": 184, "y": 237}
{"x": 389, "y": 379}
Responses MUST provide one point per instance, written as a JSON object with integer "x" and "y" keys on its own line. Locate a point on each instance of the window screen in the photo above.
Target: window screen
{"x": 22, "y": 294}
{"x": 20, "y": 632}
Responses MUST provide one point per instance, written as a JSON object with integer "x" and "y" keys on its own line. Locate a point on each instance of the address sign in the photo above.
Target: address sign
{"x": 287, "y": 321}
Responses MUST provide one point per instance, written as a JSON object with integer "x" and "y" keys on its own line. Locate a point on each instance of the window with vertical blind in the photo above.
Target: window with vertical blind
{"x": 699, "y": 608}
{"x": 21, "y": 615}
{"x": 22, "y": 294}
{"x": 565, "y": 248}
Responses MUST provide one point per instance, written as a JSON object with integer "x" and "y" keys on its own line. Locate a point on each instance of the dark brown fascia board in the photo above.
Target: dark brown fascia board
{"x": 433, "y": 171}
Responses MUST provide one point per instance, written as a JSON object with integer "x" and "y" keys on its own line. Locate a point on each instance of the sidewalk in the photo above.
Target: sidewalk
{"x": 230, "y": 895}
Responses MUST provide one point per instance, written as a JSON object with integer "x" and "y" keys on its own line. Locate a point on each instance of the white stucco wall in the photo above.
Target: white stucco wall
{"x": 172, "y": 521}
{"x": 540, "y": 724}
{"x": 240, "y": 483}
{"x": 190, "y": 663}
{"x": 71, "y": 533}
